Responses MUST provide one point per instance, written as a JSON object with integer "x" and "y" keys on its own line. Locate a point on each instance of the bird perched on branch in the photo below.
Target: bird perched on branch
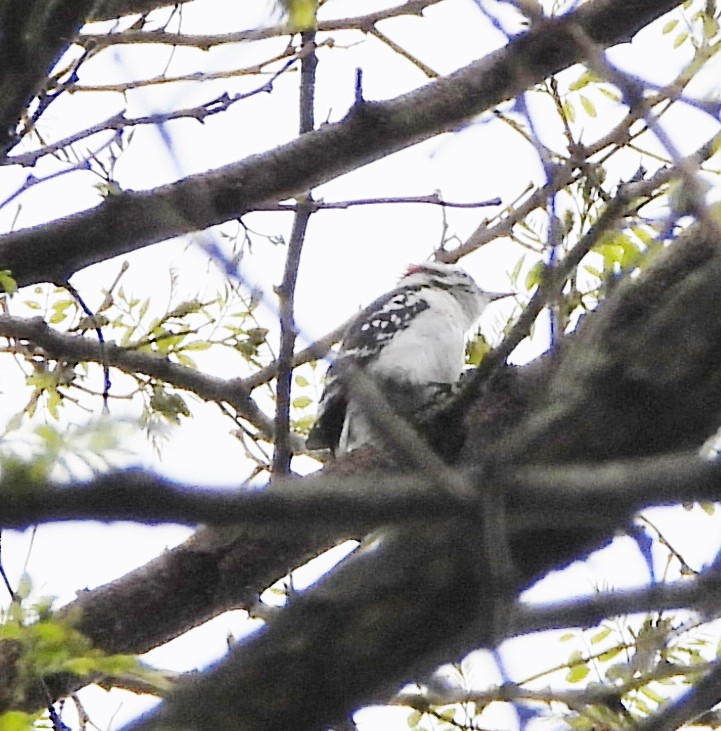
{"x": 410, "y": 342}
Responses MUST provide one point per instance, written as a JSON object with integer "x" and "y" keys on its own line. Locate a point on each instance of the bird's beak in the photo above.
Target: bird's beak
{"x": 493, "y": 296}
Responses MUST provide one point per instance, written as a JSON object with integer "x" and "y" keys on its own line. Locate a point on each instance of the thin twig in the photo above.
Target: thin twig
{"x": 396, "y": 48}
{"x": 314, "y": 351}
{"x": 633, "y": 93}
{"x": 433, "y": 199}
{"x": 101, "y": 341}
{"x": 695, "y": 701}
{"x": 119, "y": 121}
{"x": 161, "y": 79}
{"x": 555, "y": 278}
{"x": 204, "y": 42}
{"x": 4, "y": 576}
{"x": 282, "y": 452}
{"x": 564, "y": 175}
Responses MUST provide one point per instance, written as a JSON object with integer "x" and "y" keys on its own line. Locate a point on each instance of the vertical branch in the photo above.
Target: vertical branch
{"x": 308, "y": 63}
{"x": 286, "y": 292}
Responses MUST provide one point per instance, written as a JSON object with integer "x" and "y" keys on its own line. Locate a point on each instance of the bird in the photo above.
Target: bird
{"x": 410, "y": 341}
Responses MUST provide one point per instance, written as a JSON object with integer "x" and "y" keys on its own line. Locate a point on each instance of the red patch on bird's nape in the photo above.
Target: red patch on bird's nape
{"x": 413, "y": 269}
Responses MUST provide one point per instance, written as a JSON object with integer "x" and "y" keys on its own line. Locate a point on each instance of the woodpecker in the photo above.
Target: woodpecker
{"x": 410, "y": 341}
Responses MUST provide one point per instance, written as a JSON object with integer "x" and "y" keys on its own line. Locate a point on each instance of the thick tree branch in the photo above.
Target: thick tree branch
{"x": 34, "y": 36}
{"x": 636, "y": 330}
{"x": 372, "y": 646}
{"x": 642, "y": 375}
{"x": 131, "y": 220}
{"x": 558, "y": 495}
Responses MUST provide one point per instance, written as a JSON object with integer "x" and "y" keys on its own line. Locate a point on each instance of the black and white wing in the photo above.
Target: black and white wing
{"x": 372, "y": 329}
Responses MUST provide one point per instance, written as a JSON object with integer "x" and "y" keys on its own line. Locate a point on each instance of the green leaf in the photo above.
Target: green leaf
{"x": 609, "y": 654}
{"x": 669, "y": 26}
{"x": 7, "y": 283}
{"x": 54, "y": 401}
{"x": 649, "y": 692}
{"x": 186, "y": 360}
{"x": 303, "y": 425}
{"x": 301, "y": 14}
{"x": 534, "y": 276}
{"x": 170, "y": 405}
{"x": 642, "y": 707}
{"x": 301, "y": 381}
{"x": 588, "y": 106}
{"x": 257, "y": 335}
{"x": 197, "y": 345}
{"x": 414, "y": 718}
{"x": 619, "y": 671}
{"x": 600, "y": 635}
{"x": 586, "y": 78}
{"x": 302, "y": 402}
{"x": 476, "y": 350}
{"x": 577, "y": 674}
{"x": 680, "y": 39}
{"x": 614, "y": 96}
{"x": 516, "y": 271}
{"x": 17, "y": 721}
{"x": 185, "y": 308}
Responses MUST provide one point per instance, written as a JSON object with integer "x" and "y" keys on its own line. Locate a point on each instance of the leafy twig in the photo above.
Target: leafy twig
{"x": 210, "y": 388}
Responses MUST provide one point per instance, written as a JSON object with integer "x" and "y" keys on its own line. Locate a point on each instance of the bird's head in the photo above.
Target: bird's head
{"x": 456, "y": 282}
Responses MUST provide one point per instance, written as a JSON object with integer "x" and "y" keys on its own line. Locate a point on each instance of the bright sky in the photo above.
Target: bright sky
{"x": 350, "y": 256}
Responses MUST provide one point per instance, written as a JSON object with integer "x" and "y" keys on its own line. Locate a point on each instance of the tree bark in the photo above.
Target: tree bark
{"x": 129, "y": 220}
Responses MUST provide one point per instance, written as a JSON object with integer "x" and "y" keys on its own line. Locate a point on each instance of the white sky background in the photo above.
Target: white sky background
{"x": 350, "y": 257}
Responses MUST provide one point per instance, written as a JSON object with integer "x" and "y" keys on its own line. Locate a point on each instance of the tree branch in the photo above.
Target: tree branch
{"x": 702, "y": 594}
{"x": 362, "y": 22}
{"x": 557, "y": 495}
{"x": 642, "y": 376}
{"x": 434, "y": 574}
{"x": 109, "y": 9}
{"x": 34, "y": 38}
{"x": 282, "y": 451}
{"x": 130, "y": 220}
{"x": 210, "y": 388}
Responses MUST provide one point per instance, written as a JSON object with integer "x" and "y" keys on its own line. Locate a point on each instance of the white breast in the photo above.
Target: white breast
{"x": 432, "y": 348}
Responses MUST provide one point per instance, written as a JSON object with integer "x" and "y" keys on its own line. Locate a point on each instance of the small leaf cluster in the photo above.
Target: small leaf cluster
{"x": 306, "y": 391}
{"x": 44, "y": 646}
{"x": 697, "y": 26}
{"x": 51, "y": 452}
